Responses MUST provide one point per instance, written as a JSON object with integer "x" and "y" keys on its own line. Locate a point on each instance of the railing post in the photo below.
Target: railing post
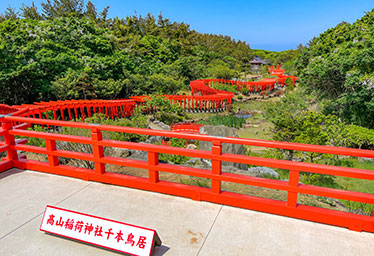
{"x": 98, "y": 151}
{"x": 216, "y": 166}
{"x": 153, "y": 175}
{"x": 293, "y": 181}
{"x": 51, "y": 146}
{"x": 9, "y": 140}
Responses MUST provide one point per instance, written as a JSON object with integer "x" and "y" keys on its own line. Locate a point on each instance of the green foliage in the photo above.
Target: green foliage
{"x": 289, "y": 84}
{"x": 137, "y": 120}
{"x": 338, "y": 66}
{"x": 286, "y": 58}
{"x": 358, "y": 137}
{"x": 285, "y": 114}
{"x": 223, "y": 72}
{"x": 163, "y": 110}
{"x": 245, "y": 90}
{"x": 224, "y": 87}
{"x": 293, "y": 122}
{"x": 36, "y": 141}
{"x": 70, "y": 50}
{"x": 176, "y": 159}
{"x": 228, "y": 120}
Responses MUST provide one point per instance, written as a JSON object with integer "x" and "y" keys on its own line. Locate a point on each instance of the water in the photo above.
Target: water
{"x": 243, "y": 116}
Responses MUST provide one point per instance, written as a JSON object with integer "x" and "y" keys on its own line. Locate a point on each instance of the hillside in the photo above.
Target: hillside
{"x": 338, "y": 66}
{"x": 72, "y": 51}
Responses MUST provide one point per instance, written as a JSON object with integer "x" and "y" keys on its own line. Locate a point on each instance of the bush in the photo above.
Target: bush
{"x": 36, "y": 141}
{"x": 229, "y": 121}
{"x": 289, "y": 84}
{"x": 240, "y": 97}
{"x": 224, "y": 87}
{"x": 245, "y": 91}
{"x": 163, "y": 110}
{"x": 176, "y": 159}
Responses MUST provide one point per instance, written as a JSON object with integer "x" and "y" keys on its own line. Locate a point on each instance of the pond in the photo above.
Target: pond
{"x": 243, "y": 115}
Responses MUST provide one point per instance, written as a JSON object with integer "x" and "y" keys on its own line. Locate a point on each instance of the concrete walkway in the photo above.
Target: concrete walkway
{"x": 186, "y": 227}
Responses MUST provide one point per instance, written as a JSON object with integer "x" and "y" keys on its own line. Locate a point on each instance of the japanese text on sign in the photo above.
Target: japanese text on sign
{"x": 99, "y": 231}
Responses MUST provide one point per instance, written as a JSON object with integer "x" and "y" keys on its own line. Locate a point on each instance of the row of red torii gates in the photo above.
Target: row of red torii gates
{"x": 203, "y": 99}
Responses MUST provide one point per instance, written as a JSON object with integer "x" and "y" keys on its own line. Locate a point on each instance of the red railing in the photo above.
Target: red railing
{"x": 75, "y": 109}
{"x": 186, "y": 127}
{"x": 214, "y": 193}
{"x": 194, "y": 103}
{"x": 203, "y": 87}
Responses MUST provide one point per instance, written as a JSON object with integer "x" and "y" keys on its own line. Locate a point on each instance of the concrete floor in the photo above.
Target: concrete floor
{"x": 186, "y": 227}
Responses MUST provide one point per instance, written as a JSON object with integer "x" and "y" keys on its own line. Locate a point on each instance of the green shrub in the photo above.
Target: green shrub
{"x": 245, "y": 91}
{"x": 289, "y": 84}
{"x": 240, "y": 97}
{"x": 228, "y": 120}
{"x": 224, "y": 87}
{"x": 176, "y": 159}
{"x": 166, "y": 112}
{"x": 36, "y": 141}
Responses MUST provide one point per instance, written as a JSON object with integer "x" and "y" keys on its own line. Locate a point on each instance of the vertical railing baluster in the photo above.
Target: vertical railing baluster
{"x": 51, "y": 146}
{"x": 293, "y": 182}
{"x": 153, "y": 174}
{"x": 97, "y": 150}
{"x": 9, "y": 140}
{"x": 216, "y": 166}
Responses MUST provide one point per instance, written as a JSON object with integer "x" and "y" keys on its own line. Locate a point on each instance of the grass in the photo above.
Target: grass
{"x": 263, "y": 131}
{"x": 359, "y": 185}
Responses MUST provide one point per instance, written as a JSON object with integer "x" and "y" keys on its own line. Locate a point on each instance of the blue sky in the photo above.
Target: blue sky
{"x": 270, "y": 25}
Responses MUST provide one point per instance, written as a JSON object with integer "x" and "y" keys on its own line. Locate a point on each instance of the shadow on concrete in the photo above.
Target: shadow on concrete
{"x": 9, "y": 172}
{"x": 158, "y": 251}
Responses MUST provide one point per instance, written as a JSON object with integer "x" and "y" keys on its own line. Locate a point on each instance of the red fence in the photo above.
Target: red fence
{"x": 214, "y": 193}
{"x": 76, "y": 109}
{"x": 195, "y": 103}
{"x": 203, "y": 86}
{"x": 186, "y": 127}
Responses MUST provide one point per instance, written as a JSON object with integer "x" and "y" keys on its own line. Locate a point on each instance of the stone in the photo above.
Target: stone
{"x": 223, "y": 131}
{"x": 120, "y": 152}
{"x": 154, "y": 139}
{"x": 191, "y": 146}
{"x": 138, "y": 155}
{"x": 158, "y": 125}
{"x": 263, "y": 171}
{"x": 192, "y": 162}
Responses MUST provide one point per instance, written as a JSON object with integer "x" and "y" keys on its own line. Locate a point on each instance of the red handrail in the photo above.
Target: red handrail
{"x": 214, "y": 193}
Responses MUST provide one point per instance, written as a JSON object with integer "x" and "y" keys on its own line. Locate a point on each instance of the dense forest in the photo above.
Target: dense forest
{"x": 70, "y": 50}
{"x": 338, "y": 68}
{"x": 334, "y": 104}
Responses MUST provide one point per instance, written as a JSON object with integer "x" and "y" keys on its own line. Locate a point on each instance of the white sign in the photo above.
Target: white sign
{"x": 106, "y": 233}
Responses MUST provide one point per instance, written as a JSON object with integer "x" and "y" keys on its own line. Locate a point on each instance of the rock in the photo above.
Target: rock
{"x": 192, "y": 162}
{"x": 120, "y": 152}
{"x": 157, "y": 125}
{"x": 263, "y": 171}
{"x": 191, "y": 146}
{"x": 206, "y": 163}
{"x": 138, "y": 155}
{"x": 231, "y": 169}
{"x": 154, "y": 139}
{"x": 223, "y": 131}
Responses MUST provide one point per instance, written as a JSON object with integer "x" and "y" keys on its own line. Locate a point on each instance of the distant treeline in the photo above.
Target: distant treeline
{"x": 70, "y": 50}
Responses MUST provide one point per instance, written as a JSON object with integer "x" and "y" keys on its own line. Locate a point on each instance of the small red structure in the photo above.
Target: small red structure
{"x": 187, "y": 127}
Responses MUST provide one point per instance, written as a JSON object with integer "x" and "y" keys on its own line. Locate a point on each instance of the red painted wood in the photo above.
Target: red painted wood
{"x": 214, "y": 194}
